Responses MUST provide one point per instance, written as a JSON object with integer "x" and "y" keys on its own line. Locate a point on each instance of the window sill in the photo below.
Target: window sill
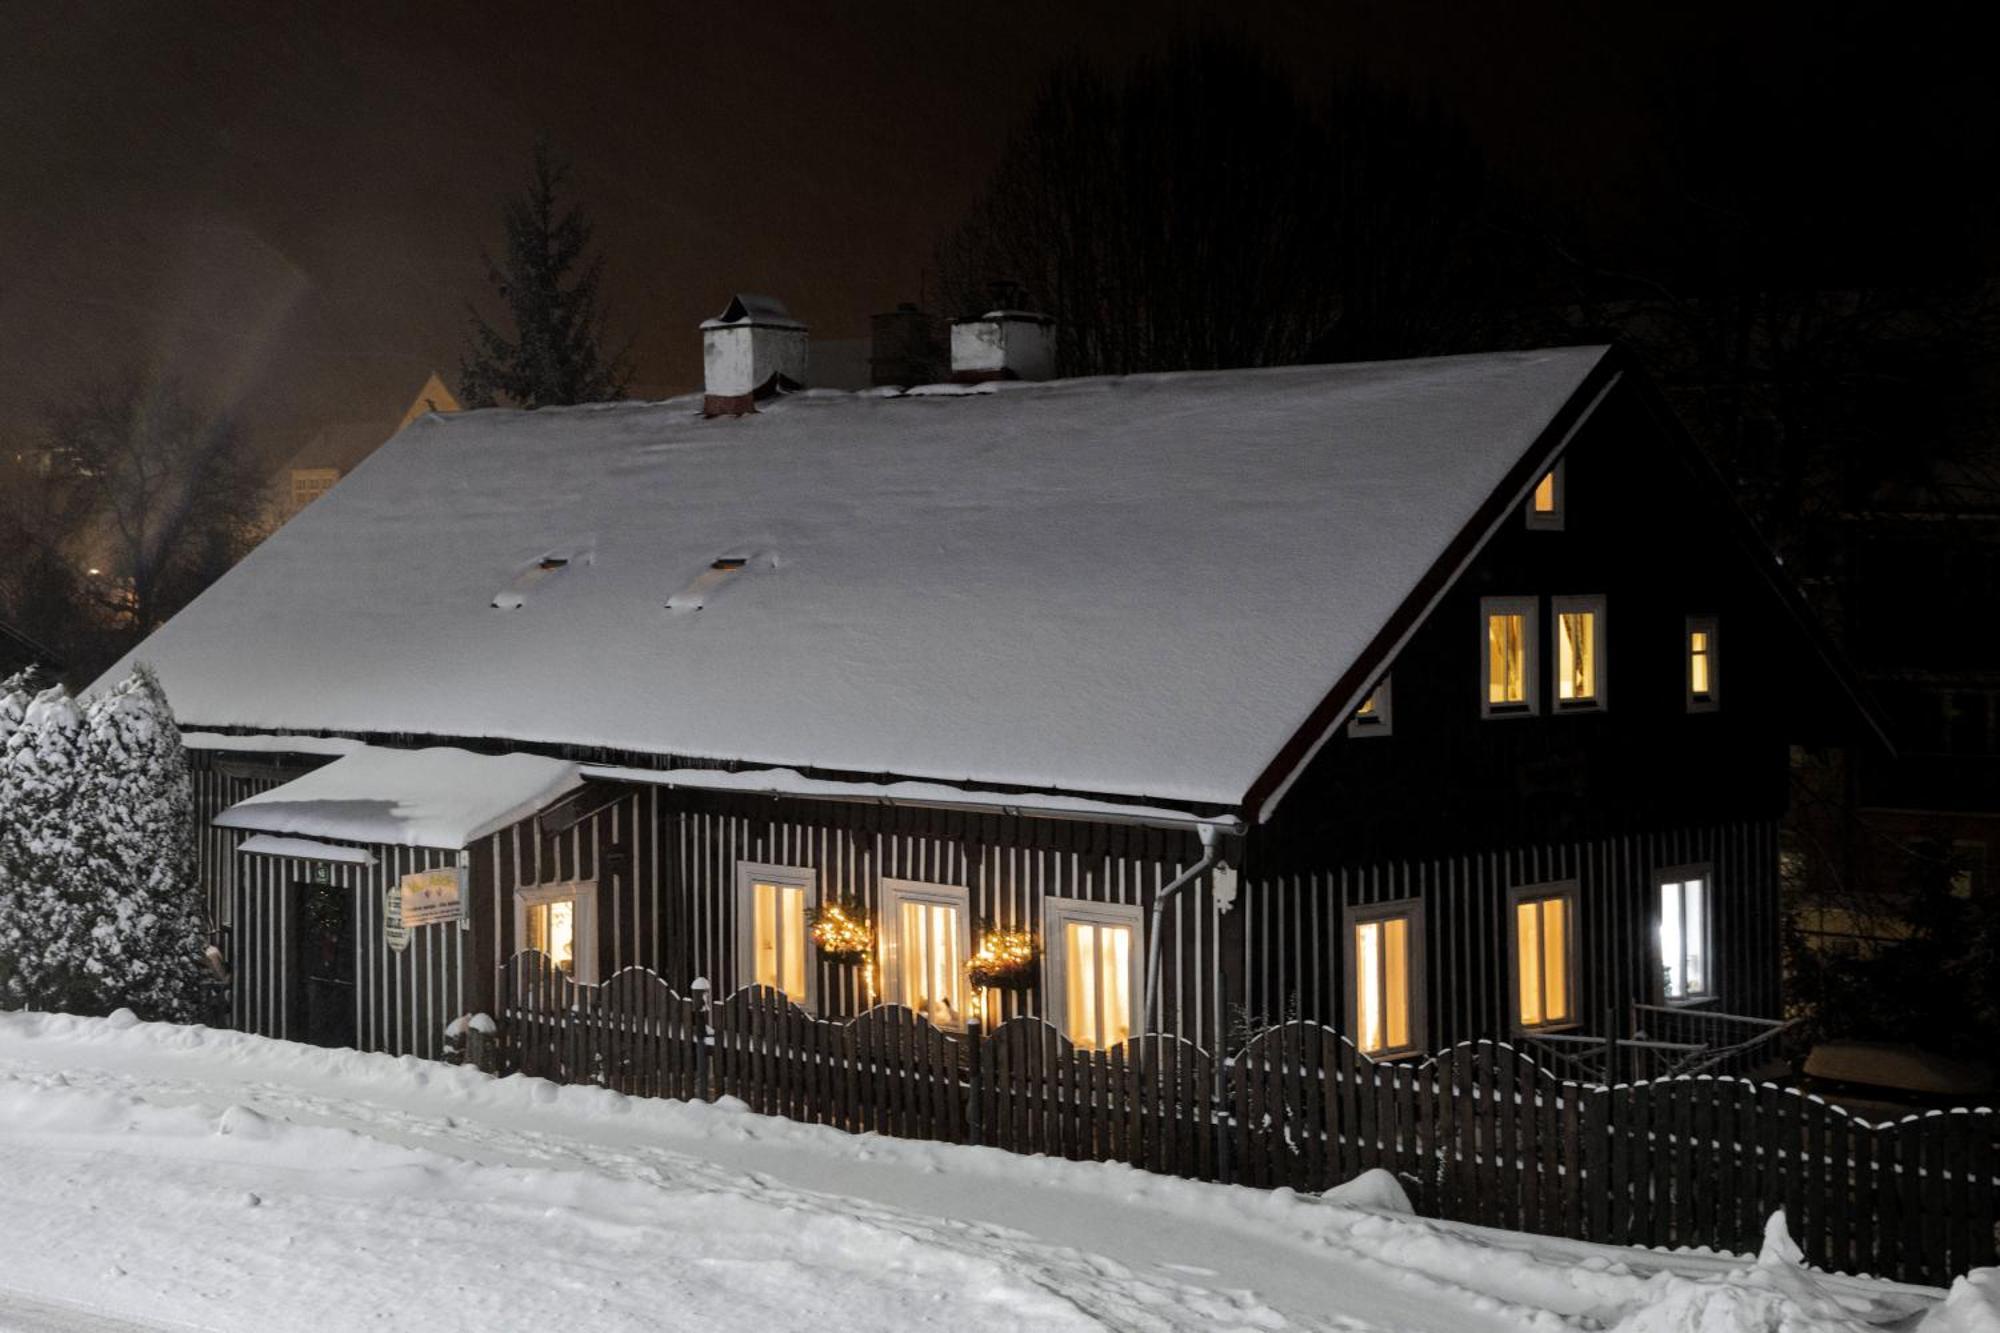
{"x": 1689, "y": 1001}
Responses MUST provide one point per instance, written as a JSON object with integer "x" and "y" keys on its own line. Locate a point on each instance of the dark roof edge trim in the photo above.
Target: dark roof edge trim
{"x": 1504, "y": 502}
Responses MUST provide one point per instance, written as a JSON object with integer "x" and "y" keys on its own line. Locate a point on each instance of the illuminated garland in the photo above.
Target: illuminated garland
{"x": 842, "y": 932}
{"x": 1007, "y": 959}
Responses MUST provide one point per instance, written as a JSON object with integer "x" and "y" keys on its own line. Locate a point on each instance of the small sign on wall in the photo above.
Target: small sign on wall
{"x": 429, "y": 897}
{"x": 394, "y": 933}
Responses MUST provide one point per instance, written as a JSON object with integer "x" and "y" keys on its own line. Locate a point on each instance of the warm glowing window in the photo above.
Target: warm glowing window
{"x": 1579, "y": 625}
{"x": 1507, "y": 655}
{"x": 1543, "y": 965}
{"x": 771, "y": 940}
{"x": 1703, "y": 665}
{"x": 1373, "y": 716}
{"x": 1545, "y": 502}
{"x": 928, "y": 940}
{"x": 560, "y": 920}
{"x": 1684, "y": 953}
{"x": 1095, "y": 985}
{"x": 1386, "y": 978}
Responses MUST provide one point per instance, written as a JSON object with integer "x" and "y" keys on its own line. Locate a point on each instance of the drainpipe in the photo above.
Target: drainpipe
{"x": 1209, "y": 834}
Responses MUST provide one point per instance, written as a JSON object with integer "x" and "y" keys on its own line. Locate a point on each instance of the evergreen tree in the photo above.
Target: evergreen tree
{"x": 43, "y": 917}
{"x": 548, "y": 281}
{"x": 146, "y": 937}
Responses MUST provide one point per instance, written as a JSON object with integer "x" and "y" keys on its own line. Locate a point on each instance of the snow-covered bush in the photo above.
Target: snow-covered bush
{"x": 99, "y": 906}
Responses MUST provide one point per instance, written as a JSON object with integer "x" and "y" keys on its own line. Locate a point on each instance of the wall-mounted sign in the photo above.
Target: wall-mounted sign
{"x": 430, "y": 897}
{"x": 394, "y": 933}
{"x": 322, "y": 873}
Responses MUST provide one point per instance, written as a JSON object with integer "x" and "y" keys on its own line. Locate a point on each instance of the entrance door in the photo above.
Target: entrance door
{"x": 325, "y": 965}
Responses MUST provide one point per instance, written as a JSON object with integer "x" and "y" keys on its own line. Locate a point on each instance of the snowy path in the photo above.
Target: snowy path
{"x": 187, "y": 1178}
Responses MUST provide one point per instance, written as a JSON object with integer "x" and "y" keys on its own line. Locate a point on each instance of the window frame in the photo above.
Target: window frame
{"x": 1592, "y": 604}
{"x": 1705, "y": 872}
{"x": 1552, "y": 521}
{"x": 749, "y": 874}
{"x": 1383, "y": 722}
{"x": 1711, "y": 699}
{"x": 1529, "y": 608}
{"x": 1355, "y": 915}
{"x": 1058, "y": 913}
{"x": 896, "y": 892}
{"x": 582, "y": 893}
{"x": 1565, "y": 889}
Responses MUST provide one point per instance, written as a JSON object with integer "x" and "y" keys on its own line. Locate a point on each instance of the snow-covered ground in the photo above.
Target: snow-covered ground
{"x": 167, "y": 1177}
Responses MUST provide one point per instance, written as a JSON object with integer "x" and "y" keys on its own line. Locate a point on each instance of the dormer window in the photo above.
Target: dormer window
{"x": 1508, "y": 642}
{"x": 1704, "y": 681}
{"x": 1545, "y": 502}
{"x": 1373, "y": 716}
{"x": 1579, "y": 624}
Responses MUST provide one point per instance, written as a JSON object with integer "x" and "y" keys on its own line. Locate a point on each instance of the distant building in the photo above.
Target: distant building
{"x": 339, "y": 448}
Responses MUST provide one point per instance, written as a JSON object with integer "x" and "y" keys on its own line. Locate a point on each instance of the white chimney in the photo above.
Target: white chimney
{"x": 1003, "y": 345}
{"x": 752, "y": 350}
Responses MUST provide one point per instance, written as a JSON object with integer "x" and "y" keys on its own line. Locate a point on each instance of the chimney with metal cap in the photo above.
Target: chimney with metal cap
{"x": 1003, "y": 345}
{"x": 749, "y": 352}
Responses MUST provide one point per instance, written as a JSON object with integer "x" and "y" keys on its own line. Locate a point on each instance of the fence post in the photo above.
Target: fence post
{"x": 702, "y": 1091}
{"x": 973, "y": 1085}
{"x": 1218, "y": 1121}
{"x": 1610, "y": 1047}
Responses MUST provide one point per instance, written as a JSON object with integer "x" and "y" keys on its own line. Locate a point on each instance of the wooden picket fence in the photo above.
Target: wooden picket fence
{"x": 1478, "y": 1133}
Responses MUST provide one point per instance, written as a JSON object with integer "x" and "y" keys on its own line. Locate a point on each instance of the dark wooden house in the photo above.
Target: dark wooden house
{"x": 1432, "y": 699}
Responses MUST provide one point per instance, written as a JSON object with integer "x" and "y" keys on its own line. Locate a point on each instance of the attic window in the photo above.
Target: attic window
{"x": 1545, "y": 502}
{"x": 1372, "y": 718}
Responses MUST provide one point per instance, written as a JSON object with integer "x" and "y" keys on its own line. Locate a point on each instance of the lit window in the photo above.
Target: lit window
{"x": 1385, "y": 994}
{"x": 1684, "y": 934}
{"x": 1373, "y": 716}
{"x": 1094, "y": 970}
{"x": 1545, "y": 502}
{"x": 1704, "y": 682}
{"x": 1543, "y": 977}
{"x": 771, "y": 939}
{"x": 1507, "y": 649}
{"x": 928, "y": 940}
{"x": 1579, "y": 623}
{"x": 560, "y": 920}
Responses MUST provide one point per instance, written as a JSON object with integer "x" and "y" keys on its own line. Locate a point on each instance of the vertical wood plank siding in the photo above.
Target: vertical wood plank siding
{"x": 1292, "y": 961}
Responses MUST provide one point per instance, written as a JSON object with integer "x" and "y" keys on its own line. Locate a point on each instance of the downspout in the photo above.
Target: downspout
{"x": 1210, "y": 834}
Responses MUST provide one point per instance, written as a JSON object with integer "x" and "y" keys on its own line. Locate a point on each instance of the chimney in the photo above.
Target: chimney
{"x": 905, "y": 348}
{"x": 1003, "y": 345}
{"x": 750, "y": 351}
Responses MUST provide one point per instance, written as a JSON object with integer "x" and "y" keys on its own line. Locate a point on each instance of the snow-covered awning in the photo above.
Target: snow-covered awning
{"x": 422, "y": 798}
{"x": 790, "y": 782}
{"x": 305, "y": 849}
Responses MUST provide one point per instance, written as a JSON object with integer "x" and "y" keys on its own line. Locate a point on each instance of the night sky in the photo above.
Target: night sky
{"x": 284, "y": 205}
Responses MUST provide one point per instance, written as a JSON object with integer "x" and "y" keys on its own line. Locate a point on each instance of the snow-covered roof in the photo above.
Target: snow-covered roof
{"x": 439, "y": 797}
{"x": 1133, "y": 587}
{"x": 305, "y": 849}
{"x": 265, "y": 743}
{"x": 749, "y": 308}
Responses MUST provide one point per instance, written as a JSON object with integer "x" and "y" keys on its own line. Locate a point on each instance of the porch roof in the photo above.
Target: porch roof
{"x": 420, "y": 798}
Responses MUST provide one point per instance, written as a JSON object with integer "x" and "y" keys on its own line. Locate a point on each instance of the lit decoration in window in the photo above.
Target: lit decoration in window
{"x": 1507, "y": 659}
{"x": 552, "y": 929}
{"x": 1701, "y": 662}
{"x": 1545, "y": 493}
{"x": 1382, "y": 985}
{"x": 1007, "y": 960}
{"x": 1097, "y": 973}
{"x": 842, "y": 932}
{"x": 1576, "y": 656}
{"x": 1684, "y": 936}
{"x": 1541, "y": 941}
{"x": 778, "y": 937}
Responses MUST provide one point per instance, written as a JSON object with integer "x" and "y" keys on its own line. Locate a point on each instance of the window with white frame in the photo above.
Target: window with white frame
{"x": 1685, "y": 967}
{"x": 1545, "y": 502}
{"x": 1374, "y": 715}
{"x": 1704, "y": 664}
{"x": 1544, "y": 962}
{"x": 1509, "y": 642}
{"x": 1580, "y": 660}
{"x": 772, "y": 948}
{"x": 1385, "y": 988}
{"x": 1092, "y": 966}
{"x": 926, "y": 942}
{"x": 560, "y": 920}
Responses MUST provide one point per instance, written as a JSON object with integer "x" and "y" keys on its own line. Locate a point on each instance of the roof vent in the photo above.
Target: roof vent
{"x": 749, "y": 352}
{"x": 1003, "y": 345}
{"x": 720, "y": 570}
